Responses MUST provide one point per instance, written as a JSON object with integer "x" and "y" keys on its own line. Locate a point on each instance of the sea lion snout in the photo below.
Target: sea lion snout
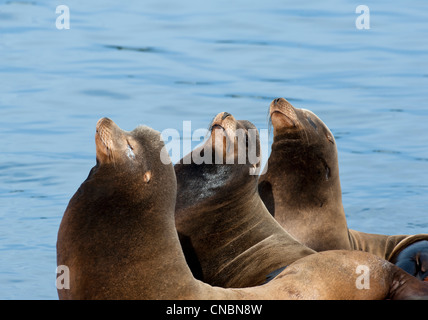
{"x": 102, "y": 122}
{"x": 282, "y": 113}
{"x": 223, "y": 120}
{"x": 103, "y": 139}
{"x": 104, "y": 130}
{"x": 112, "y": 142}
{"x": 230, "y": 138}
{"x": 283, "y": 106}
{"x": 277, "y": 100}
{"x": 226, "y": 122}
{"x": 105, "y": 125}
{"x": 225, "y": 115}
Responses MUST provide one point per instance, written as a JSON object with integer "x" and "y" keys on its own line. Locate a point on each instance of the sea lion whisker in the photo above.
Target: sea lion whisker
{"x": 113, "y": 159}
{"x": 210, "y": 126}
{"x": 269, "y": 122}
{"x": 307, "y": 138}
{"x": 304, "y": 136}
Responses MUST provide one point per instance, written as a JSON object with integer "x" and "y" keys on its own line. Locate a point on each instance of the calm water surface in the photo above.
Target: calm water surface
{"x": 160, "y": 63}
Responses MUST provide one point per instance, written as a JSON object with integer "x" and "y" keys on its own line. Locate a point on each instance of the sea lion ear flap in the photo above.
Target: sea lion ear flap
{"x": 147, "y": 176}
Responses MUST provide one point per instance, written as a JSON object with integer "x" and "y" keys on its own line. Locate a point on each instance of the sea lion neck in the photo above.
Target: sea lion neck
{"x": 106, "y": 182}
{"x": 232, "y": 181}
{"x": 305, "y": 177}
{"x": 288, "y": 135}
{"x": 216, "y": 203}
{"x": 117, "y": 195}
{"x": 307, "y": 161}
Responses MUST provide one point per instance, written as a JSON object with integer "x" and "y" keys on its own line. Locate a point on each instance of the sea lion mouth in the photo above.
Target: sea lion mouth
{"x": 226, "y": 122}
{"x": 223, "y": 134}
{"x": 219, "y": 132}
{"x": 287, "y": 121}
{"x": 103, "y": 132}
{"x": 217, "y": 126}
{"x": 282, "y": 114}
{"x": 221, "y": 120}
{"x": 104, "y": 140}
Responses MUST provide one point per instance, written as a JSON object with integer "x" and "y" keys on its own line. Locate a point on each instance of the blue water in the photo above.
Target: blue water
{"x": 160, "y": 63}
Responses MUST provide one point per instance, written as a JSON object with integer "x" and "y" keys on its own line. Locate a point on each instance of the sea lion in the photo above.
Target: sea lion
{"x": 302, "y": 178}
{"x": 228, "y": 236}
{"x": 301, "y": 187}
{"x": 118, "y": 239}
{"x": 412, "y": 256}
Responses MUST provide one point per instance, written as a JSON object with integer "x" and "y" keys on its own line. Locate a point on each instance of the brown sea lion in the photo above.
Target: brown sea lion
{"x": 228, "y": 236}
{"x": 118, "y": 239}
{"x": 301, "y": 189}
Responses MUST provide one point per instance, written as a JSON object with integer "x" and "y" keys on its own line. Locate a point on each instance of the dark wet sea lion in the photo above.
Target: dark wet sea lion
{"x": 301, "y": 187}
{"x": 412, "y": 256}
{"x": 118, "y": 238}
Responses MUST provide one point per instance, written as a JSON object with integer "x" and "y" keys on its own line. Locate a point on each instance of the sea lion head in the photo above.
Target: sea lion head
{"x": 289, "y": 122}
{"x": 304, "y": 151}
{"x": 225, "y": 164}
{"x": 130, "y": 157}
{"x": 234, "y": 141}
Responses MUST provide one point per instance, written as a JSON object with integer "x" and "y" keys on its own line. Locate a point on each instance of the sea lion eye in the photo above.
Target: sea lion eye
{"x": 312, "y": 123}
{"x": 129, "y": 151}
{"x": 330, "y": 138}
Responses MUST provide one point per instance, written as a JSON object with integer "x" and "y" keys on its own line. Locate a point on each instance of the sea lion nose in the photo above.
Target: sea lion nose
{"x": 225, "y": 115}
{"x": 102, "y": 122}
{"x": 277, "y": 100}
